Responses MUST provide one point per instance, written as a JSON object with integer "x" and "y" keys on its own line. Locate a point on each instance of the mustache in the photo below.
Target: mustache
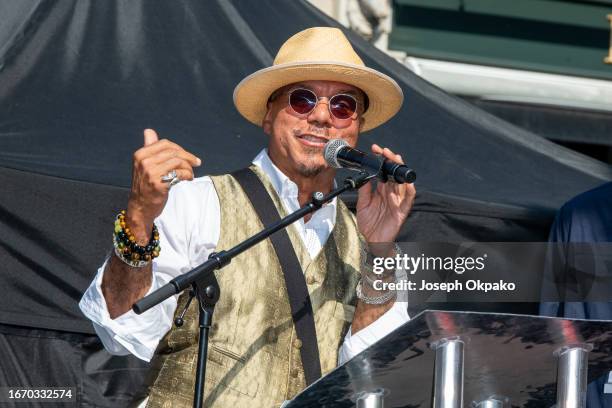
{"x": 313, "y": 130}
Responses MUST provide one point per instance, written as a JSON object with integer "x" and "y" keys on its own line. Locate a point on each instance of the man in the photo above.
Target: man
{"x": 585, "y": 219}
{"x": 318, "y": 89}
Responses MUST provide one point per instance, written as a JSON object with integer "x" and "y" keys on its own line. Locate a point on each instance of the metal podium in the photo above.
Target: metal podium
{"x": 467, "y": 359}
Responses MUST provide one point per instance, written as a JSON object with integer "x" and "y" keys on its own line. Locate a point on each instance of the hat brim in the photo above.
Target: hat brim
{"x": 384, "y": 94}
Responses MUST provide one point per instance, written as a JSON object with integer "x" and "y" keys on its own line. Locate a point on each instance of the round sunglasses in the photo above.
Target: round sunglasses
{"x": 341, "y": 106}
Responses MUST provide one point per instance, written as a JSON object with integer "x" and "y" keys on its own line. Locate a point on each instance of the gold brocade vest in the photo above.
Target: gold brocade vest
{"x": 254, "y": 356}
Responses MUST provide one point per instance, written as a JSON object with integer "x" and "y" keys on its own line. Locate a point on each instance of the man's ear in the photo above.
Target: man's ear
{"x": 266, "y": 124}
{"x": 361, "y": 123}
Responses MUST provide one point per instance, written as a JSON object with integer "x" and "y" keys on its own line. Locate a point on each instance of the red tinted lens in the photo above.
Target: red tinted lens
{"x": 343, "y": 106}
{"x": 302, "y": 101}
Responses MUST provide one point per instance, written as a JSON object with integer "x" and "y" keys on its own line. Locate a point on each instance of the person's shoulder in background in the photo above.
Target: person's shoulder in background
{"x": 597, "y": 197}
{"x": 588, "y": 216}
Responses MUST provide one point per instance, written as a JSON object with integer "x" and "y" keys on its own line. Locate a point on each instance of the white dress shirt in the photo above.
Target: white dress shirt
{"x": 189, "y": 229}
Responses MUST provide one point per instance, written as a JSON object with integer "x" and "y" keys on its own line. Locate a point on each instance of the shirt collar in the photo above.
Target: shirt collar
{"x": 283, "y": 186}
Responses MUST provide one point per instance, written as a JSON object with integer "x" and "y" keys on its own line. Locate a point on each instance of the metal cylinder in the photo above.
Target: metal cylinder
{"x": 448, "y": 382}
{"x": 572, "y": 376}
{"x": 375, "y": 399}
{"x": 490, "y": 403}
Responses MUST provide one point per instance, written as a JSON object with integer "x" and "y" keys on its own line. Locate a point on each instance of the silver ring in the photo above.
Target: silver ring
{"x": 169, "y": 178}
{"x": 174, "y": 181}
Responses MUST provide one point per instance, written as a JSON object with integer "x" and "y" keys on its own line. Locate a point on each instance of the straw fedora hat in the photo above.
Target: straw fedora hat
{"x": 319, "y": 53}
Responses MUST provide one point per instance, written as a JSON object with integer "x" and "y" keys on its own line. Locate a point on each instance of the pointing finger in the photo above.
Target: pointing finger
{"x": 376, "y": 149}
{"x": 388, "y": 154}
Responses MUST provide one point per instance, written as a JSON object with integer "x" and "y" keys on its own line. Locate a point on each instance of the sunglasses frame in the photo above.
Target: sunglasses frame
{"x": 318, "y": 99}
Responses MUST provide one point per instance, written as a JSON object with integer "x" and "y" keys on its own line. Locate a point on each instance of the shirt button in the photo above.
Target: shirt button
{"x": 297, "y": 343}
{"x": 294, "y": 373}
{"x": 310, "y": 280}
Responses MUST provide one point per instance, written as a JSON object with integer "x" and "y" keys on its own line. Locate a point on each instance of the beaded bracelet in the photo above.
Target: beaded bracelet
{"x": 128, "y": 250}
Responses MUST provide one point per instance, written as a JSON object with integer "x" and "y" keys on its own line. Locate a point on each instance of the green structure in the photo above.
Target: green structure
{"x": 556, "y": 36}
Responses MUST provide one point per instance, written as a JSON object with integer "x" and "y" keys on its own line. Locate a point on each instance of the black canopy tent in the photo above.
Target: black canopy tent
{"x": 79, "y": 80}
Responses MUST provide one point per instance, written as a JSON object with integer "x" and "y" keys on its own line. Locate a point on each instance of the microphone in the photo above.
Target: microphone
{"x": 339, "y": 154}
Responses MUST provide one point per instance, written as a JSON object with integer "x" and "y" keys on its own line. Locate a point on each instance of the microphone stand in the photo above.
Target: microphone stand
{"x": 204, "y": 286}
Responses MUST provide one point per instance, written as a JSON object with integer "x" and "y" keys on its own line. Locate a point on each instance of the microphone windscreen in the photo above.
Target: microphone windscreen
{"x": 331, "y": 152}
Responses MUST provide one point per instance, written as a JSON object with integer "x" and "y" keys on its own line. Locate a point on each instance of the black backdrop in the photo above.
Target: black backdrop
{"x": 79, "y": 80}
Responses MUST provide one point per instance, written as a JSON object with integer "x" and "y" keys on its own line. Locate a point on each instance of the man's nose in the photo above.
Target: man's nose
{"x": 320, "y": 114}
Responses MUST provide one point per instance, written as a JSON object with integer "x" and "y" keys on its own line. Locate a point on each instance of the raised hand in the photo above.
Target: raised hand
{"x": 149, "y": 193}
{"x": 382, "y": 211}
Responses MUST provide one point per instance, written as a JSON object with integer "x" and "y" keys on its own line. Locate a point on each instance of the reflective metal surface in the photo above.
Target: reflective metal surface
{"x": 490, "y": 403}
{"x": 504, "y": 354}
{"x": 374, "y": 399}
{"x": 448, "y": 378}
{"x": 572, "y": 376}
